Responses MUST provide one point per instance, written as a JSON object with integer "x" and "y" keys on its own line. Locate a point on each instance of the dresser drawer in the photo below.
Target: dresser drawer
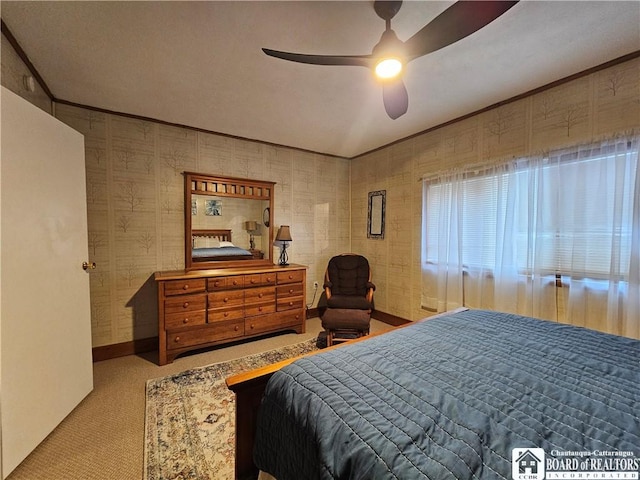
{"x": 291, "y": 290}
{"x": 226, "y": 299}
{"x": 251, "y": 310}
{"x": 260, "y": 295}
{"x": 181, "y": 287}
{"x": 290, "y": 277}
{"x": 289, "y": 303}
{"x": 260, "y": 324}
{"x": 225, "y": 283}
{"x": 213, "y": 333}
{"x": 185, "y": 303}
{"x": 223, "y": 314}
{"x": 268, "y": 323}
{"x": 290, "y": 319}
{"x": 186, "y": 319}
{"x": 258, "y": 279}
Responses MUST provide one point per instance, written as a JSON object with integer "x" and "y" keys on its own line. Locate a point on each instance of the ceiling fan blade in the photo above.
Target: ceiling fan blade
{"x": 396, "y": 98}
{"x": 349, "y": 60}
{"x": 458, "y": 21}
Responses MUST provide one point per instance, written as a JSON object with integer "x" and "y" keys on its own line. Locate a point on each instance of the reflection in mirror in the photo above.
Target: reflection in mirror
{"x": 266, "y": 217}
{"x": 228, "y": 213}
{"x": 216, "y": 214}
{"x": 375, "y": 220}
{"x": 252, "y": 227}
{"x": 224, "y": 221}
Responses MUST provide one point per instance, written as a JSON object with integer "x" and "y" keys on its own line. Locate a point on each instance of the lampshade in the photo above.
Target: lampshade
{"x": 284, "y": 235}
{"x": 250, "y": 226}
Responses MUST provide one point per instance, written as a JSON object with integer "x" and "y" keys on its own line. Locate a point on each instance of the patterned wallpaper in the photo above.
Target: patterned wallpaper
{"x": 135, "y": 208}
{"x": 597, "y": 105}
{"x": 135, "y": 188}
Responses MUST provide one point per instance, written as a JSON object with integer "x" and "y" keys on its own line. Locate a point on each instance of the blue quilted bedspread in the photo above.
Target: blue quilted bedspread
{"x": 220, "y": 252}
{"x": 450, "y": 398}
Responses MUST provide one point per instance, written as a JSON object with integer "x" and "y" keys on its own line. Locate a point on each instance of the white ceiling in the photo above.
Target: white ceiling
{"x": 200, "y": 63}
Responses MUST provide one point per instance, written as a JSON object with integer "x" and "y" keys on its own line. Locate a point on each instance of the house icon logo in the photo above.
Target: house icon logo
{"x": 527, "y": 464}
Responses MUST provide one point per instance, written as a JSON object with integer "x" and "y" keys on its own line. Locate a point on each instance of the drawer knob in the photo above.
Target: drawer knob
{"x": 260, "y": 295}
{"x": 216, "y": 283}
{"x": 290, "y": 277}
{"x": 291, "y": 290}
{"x": 269, "y": 279}
{"x": 235, "y": 282}
{"x": 236, "y": 328}
{"x": 253, "y": 280}
{"x": 259, "y": 309}
{"x": 185, "y": 304}
{"x": 177, "y": 339}
{"x": 186, "y": 286}
{"x": 226, "y": 299}
{"x": 186, "y": 320}
{"x": 290, "y": 303}
{"x": 226, "y": 314}
{"x": 252, "y": 326}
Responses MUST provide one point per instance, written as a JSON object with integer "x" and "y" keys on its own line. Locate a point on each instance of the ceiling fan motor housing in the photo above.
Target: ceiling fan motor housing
{"x": 388, "y": 50}
{"x": 386, "y": 10}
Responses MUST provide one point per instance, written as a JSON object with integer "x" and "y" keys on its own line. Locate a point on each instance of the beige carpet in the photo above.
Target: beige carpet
{"x": 103, "y": 438}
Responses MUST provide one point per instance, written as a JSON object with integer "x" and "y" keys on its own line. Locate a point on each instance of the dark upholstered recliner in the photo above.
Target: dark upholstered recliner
{"x": 349, "y": 291}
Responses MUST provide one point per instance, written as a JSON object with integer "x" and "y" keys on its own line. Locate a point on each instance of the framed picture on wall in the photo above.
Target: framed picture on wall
{"x": 213, "y": 208}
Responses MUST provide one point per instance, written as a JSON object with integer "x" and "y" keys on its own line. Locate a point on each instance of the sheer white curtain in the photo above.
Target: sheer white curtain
{"x": 554, "y": 237}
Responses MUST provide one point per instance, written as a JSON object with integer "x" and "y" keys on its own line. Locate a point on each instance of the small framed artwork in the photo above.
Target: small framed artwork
{"x": 213, "y": 208}
{"x": 375, "y": 220}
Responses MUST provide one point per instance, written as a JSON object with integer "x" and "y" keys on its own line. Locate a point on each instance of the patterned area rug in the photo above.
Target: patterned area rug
{"x": 190, "y": 418}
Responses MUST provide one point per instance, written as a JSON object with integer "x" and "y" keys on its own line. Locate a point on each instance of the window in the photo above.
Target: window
{"x": 506, "y": 237}
{"x": 568, "y": 214}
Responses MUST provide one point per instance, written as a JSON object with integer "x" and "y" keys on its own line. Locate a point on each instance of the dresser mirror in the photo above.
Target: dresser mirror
{"x": 227, "y": 221}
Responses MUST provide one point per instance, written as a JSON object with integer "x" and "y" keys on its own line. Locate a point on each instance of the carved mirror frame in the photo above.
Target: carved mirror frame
{"x": 221, "y": 188}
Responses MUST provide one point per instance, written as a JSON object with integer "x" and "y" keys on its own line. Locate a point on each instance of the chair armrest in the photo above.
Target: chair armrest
{"x": 327, "y": 288}
{"x": 370, "y": 289}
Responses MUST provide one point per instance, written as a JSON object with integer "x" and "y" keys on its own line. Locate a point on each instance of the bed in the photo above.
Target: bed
{"x": 210, "y": 245}
{"x": 448, "y": 397}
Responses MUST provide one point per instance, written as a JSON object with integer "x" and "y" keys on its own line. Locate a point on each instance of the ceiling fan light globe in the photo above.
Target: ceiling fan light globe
{"x": 388, "y": 68}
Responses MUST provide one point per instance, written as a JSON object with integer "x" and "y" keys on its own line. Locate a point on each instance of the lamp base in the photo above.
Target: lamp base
{"x": 284, "y": 257}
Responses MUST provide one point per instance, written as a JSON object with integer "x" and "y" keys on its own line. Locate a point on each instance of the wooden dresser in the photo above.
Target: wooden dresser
{"x": 201, "y": 308}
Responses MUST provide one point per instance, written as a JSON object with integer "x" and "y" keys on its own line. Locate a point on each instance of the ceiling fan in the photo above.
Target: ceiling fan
{"x": 390, "y": 54}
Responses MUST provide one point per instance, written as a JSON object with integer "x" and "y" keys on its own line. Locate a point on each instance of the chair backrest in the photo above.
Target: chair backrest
{"x": 348, "y": 274}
